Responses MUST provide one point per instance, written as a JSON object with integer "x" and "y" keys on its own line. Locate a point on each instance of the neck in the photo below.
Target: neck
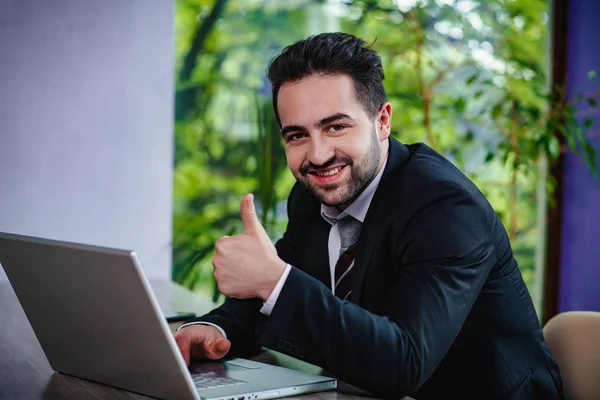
{"x": 383, "y": 152}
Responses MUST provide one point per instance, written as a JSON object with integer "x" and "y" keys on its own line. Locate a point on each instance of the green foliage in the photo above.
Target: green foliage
{"x": 467, "y": 77}
{"x": 226, "y": 142}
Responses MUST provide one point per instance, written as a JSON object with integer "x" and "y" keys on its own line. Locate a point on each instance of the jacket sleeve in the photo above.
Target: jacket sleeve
{"x": 444, "y": 256}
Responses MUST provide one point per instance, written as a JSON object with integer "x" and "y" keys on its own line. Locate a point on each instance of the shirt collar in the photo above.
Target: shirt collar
{"x": 359, "y": 207}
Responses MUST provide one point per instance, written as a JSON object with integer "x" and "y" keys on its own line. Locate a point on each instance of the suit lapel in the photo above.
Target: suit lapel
{"x": 316, "y": 259}
{"x": 377, "y": 215}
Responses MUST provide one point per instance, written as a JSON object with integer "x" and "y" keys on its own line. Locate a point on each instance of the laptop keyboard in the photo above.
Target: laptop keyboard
{"x": 206, "y": 380}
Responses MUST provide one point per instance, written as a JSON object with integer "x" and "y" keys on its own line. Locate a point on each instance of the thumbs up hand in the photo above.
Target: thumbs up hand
{"x": 247, "y": 265}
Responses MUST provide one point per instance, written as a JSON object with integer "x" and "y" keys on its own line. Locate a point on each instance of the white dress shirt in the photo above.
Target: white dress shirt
{"x": 358, "y": 209}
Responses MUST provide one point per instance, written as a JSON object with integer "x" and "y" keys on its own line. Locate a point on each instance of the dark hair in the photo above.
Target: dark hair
{"x": 331, "y": 54}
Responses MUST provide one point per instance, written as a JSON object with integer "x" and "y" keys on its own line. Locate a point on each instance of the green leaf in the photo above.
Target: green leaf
{"x": 587, "y": 124}
{"x": 592, "y": 74}
{"x": 517, "y": 163}
{"x": 553, "y": 147}
{"x": 469, "y": 136}
{"x": 471, "y": 79}
{"x": 589, "y": 150}
{"x": 592, "y": 101}
{"x": 460, "y": 104}
{"x": 569, "y": 137}
{"x": 589, "y": 153}
{"x": 497, "y": 110}
{"x": 489, "y": 156}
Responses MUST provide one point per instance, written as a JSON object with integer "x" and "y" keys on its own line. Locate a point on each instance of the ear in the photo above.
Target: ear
{"x": 384, "y": 121}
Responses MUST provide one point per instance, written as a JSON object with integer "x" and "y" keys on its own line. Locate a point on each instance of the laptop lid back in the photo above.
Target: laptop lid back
{"x": 95, "y": 316}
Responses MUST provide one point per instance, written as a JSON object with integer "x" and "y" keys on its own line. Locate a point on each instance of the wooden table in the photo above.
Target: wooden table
{"x": 26, "y": 374}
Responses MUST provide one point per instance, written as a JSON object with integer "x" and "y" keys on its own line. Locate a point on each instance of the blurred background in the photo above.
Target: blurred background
{"x": 468, "y": 77}
{"x": 140, "y": 124}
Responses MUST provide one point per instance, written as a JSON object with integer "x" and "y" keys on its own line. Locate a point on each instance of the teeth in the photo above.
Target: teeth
{"x": 329, "y": 173}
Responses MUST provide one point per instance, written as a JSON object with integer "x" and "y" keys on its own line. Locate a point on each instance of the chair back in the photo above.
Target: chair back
{"x": 574, "y": 341}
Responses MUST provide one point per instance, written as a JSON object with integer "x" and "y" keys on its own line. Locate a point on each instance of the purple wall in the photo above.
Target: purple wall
{"x": 580, "y": 261}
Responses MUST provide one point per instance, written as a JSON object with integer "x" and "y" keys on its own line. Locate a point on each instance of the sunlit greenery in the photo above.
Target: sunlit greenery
{"x": 467, "y": 77}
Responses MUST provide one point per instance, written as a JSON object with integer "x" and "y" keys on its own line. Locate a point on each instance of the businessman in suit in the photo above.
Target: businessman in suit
{"x": 395, "y": 273}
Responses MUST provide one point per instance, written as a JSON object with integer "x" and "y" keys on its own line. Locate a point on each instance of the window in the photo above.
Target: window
{"x": 467, "y": 77}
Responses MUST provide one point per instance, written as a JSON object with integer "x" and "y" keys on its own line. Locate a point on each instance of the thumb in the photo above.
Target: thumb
{"x": 249, "y": 218}
{"x": 222, "y": 346}
{"x": 218, "y": 349}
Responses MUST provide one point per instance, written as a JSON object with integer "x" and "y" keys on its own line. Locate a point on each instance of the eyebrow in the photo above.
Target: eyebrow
{"x": 324, "y": 121}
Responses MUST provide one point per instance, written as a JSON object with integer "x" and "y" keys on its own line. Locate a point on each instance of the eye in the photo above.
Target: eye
{"x": 336, "y": 128}
{"x": 292, "y": 137}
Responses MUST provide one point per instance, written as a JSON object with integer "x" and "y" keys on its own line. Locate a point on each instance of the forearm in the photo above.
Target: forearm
{"x": 310, "y": 323}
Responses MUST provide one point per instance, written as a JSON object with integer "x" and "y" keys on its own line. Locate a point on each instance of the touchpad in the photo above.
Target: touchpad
{"x": 241, "y": 363}
{"x": 216, "y": 367}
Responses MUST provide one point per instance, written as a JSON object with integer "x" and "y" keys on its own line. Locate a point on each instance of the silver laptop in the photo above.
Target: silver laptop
{"x": 96, "y": 318}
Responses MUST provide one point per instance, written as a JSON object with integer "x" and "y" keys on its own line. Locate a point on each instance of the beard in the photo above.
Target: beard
{"x": 342, "y": 194}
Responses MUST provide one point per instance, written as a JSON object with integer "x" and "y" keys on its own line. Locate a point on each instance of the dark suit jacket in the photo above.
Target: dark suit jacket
{"x": 438, "y": 307}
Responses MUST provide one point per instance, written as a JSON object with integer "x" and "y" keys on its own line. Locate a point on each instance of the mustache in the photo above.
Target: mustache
{"x": 308, "y": 166}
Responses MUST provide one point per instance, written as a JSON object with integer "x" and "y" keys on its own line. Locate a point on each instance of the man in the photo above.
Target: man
{"x": 426, "y": 298}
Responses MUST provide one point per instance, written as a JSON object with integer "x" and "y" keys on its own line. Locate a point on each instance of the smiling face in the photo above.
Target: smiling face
{"x": 333, "y": 147}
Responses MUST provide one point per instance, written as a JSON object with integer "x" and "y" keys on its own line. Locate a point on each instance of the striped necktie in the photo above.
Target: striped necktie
{"x": 349, "y": 229}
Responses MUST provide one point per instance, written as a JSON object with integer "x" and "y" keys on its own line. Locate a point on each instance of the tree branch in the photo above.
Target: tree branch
{"x": 441, "y": 75}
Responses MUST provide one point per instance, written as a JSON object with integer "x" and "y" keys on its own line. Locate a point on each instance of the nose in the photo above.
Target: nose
{"x": 320, "y": 151}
